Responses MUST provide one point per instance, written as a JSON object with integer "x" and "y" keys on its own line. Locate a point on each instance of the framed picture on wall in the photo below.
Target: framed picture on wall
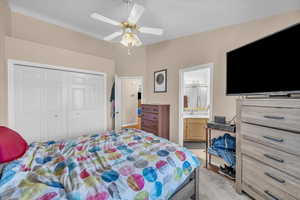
{"x": 160, "y": 81}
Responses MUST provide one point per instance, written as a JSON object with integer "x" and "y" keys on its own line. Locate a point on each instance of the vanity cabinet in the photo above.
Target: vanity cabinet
{"x": 194, "y": 129}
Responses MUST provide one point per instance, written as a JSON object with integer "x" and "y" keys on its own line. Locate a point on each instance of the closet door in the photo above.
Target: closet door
{"x": 27, "y": 100}
{"x": 53, "y": 104}
{"x": 54, "y": 109}
{"x": 86, "y": 104}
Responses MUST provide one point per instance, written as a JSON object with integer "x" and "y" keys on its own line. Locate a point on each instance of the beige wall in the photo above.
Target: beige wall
{"x": 204, "y": 48}
{"x": 126, "y": 65}
{"x": 35, "y": 30}
{"x": 4, "y": 31}
{"x": 31, "y": 29}
{"x": 18, "y": 49}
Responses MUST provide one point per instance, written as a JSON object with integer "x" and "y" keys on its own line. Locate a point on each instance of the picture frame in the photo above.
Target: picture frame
{"x": 160, "y": 81}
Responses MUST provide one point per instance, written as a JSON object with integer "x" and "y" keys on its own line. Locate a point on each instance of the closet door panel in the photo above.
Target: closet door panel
{"x": 28, "y": 90}
{"x": 55, "y": 105}
{"x": 95, "y": 103}
{"x": 86, "y": 97}
{"x": 76, "y": 104}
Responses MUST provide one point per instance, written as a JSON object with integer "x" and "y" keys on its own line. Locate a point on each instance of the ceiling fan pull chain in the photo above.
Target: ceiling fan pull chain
{"x": 129, "y": 49}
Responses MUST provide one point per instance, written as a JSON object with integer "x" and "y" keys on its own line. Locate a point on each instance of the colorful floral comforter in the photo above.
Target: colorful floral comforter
{"x": 128, "y": 165}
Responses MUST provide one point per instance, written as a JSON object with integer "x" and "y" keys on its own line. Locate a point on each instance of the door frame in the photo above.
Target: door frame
{"x": 128, "y": 78}
{"x": 181, "y": 92}
{"x": 10, "y": 86}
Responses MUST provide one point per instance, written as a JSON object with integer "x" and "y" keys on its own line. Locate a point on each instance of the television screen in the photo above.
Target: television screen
{"x": 269, "y": 65}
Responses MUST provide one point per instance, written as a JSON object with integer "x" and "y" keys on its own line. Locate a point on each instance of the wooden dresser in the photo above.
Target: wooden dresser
{"x": 156, "y": 119}
{"x": 268, "y": 148}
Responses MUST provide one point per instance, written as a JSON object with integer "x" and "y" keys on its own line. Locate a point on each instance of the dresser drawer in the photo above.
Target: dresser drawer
{"x": 150, "y": 116}
{"x": 283, "y": 118}
{"x": 283, "y": 140}
{"x": 149, "y": 130}
{"x": 285, "y": 162}
{"x": 150, "y": 124}
{"x": 264, "y": 191}
{"x": 270, "y": 181}
{"x": 150, "y": 108}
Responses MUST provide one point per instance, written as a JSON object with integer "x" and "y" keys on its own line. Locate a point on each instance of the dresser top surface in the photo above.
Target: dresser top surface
{"x": 155, "y": 104}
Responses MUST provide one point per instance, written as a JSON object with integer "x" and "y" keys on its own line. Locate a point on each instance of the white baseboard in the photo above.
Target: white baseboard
{"x": 2, "y": 123}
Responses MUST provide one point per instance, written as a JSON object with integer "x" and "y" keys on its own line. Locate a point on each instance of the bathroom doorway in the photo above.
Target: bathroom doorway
{"x": 195, "y": 106}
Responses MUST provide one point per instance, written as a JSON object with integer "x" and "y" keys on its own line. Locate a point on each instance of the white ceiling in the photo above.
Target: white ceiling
{"x": 176, "y": 17}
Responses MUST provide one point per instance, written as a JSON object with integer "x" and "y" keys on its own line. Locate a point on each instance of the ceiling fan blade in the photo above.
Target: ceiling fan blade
{"x": 99, "y": 17}
{"x": 135, "y": 14}
{"x": 153, "y": 31}
{"x": 113, "y": 36}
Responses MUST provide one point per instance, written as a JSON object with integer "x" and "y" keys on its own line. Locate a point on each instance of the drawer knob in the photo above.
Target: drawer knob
{"x": 273, "y": 138}
{"x": 273, "y": 117}
{"x": 271, "y": 195}
{"x": 279, "y": 180}
{"x": 274, "y": 158}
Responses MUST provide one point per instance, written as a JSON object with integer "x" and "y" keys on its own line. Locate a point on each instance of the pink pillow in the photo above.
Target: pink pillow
{"x": 12, "y": 145}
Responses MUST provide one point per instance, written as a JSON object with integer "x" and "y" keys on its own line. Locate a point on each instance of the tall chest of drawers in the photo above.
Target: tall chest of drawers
{"x": 268, "y": 148}
{"x": 156, "y": 119}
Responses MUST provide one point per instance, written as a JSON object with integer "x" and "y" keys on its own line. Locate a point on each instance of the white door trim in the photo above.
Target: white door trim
{"x": 11, "y": 63}
{"x": 181, "y": 86}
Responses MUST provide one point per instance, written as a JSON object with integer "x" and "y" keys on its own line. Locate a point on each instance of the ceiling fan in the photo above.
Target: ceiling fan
{"x": 129, "y": 28}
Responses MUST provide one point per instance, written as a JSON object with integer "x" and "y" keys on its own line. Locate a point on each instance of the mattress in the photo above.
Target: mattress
{"x": 125, "y": 165}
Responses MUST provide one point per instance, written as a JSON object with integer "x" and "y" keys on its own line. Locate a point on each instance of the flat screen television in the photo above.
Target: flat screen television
{"x": 267, "y": 66}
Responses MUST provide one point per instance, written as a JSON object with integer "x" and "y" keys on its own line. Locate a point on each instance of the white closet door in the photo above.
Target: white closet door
{"x": 54, "y": 104}
{"x": 86, "y": 107}
{"x": 55, "y": 99}
{"x": 28, "y": 89}
{"x": 95, "y": 103}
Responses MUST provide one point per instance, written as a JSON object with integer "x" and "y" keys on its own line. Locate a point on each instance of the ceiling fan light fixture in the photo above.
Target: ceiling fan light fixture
{"x": 130, "y": 40}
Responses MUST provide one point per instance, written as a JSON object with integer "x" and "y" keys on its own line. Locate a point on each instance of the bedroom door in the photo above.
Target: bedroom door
{"x": 117, "y": 112}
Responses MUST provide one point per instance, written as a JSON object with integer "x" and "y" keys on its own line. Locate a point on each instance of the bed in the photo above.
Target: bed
{"x": 130, "y": 164}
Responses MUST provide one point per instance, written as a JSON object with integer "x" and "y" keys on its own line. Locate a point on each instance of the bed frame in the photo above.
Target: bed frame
{"x": 189, "y": 189}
